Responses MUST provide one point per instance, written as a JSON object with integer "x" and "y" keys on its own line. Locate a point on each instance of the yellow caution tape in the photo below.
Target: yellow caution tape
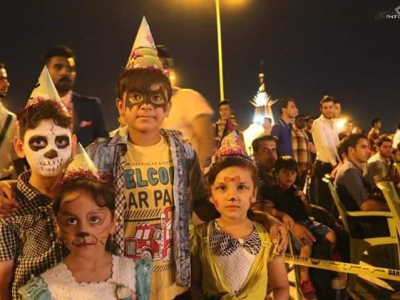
{"x": 342, "y": 267}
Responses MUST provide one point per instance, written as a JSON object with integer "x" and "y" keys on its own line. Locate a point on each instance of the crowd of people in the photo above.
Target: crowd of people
{"x": 170, "y": 205}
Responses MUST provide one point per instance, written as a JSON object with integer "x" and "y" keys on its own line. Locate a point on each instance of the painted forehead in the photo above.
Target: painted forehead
{"x": 79, "y": 200}
{"x": 149, "y": 87}
{"x": 48, "y": 128}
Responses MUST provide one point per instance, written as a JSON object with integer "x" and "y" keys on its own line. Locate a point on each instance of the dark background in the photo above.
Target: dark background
{"x": 310, "y": 48}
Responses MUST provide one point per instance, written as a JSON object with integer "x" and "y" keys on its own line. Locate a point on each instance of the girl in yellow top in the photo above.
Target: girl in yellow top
{"x": 232, "y": 256}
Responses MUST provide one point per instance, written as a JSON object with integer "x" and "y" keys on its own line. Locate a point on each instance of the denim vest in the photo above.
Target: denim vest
{"x": 108, "y": 156}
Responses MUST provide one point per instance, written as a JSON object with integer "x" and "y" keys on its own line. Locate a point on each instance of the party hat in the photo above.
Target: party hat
{"x": 231, "y": 146}
{"x": 44, "y": 89}
{"x": 144, "y": 53}
{"x": 81, "y": 162}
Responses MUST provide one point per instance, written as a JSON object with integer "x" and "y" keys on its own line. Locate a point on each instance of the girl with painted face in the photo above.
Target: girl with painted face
{"x": 232, "y": 257}
{"x": 84, "y": 208}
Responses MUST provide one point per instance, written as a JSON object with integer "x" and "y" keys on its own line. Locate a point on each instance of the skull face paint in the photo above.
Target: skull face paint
{"x": 83, "y": 225}
{"x": 155, "y": 95}
{"x": 47, "y": 148}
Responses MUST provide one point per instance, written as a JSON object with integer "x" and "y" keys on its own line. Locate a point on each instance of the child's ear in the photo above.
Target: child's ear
{"x": 253, "y": 198}
{"x": 167, "y": 109}
{"x": 120, "y": 106}
{"x": 57, "y": 226}
{"x": 19, "y": 147}
{"x": 113, "y": 224}
{"x": 74, "y": 142}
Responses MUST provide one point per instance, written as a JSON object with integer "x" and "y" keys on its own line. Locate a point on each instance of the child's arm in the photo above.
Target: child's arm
{"x": 277, "y": 276}
{"x": 195, "y": 289}
{"x": 287, "y": 220}
{"x": 305, "y": 201}
{"x": 6, "y": 273}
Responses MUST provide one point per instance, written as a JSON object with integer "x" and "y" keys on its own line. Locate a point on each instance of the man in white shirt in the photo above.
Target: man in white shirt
{"x": 396, "y": 138}
{"x": 190, "y": 113}
{"x": 8, "y": 130}
{"x": 325, "y": 138}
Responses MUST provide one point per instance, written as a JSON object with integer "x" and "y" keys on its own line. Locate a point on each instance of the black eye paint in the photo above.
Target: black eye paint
{"x": 37, "y": 143}
{"x": 156, "y": 95}
{"x": 62, "y": 141}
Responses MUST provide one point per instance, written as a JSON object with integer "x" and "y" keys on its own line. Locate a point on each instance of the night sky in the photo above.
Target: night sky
{"x": 310, "y": 48}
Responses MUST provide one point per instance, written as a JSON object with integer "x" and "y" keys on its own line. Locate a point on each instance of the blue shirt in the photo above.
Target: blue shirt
{"x": 283, "y": 132}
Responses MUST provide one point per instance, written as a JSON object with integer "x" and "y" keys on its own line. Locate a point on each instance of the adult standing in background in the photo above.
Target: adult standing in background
{"x": 282, "y": 129}
{"x": 396, "y": 138}
{"x": 8, "y": 130}
{"x": 86, "y": 111}
{"x": 190, "y": 112}
{"x": 373, "y": 134}
{"x": 325, "y": 138}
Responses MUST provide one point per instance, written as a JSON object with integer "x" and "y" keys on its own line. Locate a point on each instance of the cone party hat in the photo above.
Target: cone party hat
{"x": 144, "y": 53}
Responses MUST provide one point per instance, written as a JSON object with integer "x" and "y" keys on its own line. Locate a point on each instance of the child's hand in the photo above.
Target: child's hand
{"x": 288, "y": 221}
{"x": 302, "y": 196}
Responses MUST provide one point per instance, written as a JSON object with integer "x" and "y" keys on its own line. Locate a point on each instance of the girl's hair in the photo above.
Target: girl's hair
{"x": 101, "y": 192}
{"x": 286, "y": 162}
{"x": 232, "y": 161}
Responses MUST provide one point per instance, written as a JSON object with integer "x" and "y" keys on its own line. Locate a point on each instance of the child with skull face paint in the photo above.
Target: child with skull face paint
{"x": 28, "y": 240}
{"x": 84, "y": 208}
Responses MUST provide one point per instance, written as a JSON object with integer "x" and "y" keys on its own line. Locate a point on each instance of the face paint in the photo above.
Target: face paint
{"x": 47, "y": 148}
{"x": 155, "y": 95}
{"x": 83, "y": 225}
{"x": 233, "y": 179}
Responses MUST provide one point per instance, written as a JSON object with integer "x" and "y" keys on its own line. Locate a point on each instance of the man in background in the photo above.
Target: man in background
{"x": 86, "y": 111}
{"x": 190, "y": 112}
{"x": 282, "y": 129}
{"x": 8, "y": 130}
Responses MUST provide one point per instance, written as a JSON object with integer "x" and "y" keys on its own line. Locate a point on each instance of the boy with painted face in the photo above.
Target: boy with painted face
{"x": 28, "y": 238}
{"x": 157, "y": 176}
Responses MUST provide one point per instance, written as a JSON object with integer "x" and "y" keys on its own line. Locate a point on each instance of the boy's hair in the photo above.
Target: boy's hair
{"x": 285, "y": 103}
{"x": 2, "y": 66}
{"x": 352, "y": 141}
{"x": 382, "y": 139}
{"x": 225, "y": 102}
{"x": 137, "y": 78}
{"x": 336, "y": 101}
{"x": 44, "y": 110}
{"x": 256, "y": 142}
{"x": 326, "y": 99}
{"x": 100, "y": 191}
{"x": 374, "y": 121}
{"x": 232, "y": 161}
{"x": 286, "y": 162}
{"x": 59, "y": 50}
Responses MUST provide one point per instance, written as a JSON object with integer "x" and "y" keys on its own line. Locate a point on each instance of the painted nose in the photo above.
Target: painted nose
{"x": 51, "y": 154}
{"x": 83, "y": 234}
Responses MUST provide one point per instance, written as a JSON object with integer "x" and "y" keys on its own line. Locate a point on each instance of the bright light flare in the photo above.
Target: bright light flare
{"x": 251, "y": 133}
{"x": 261, "y": 99}
{"x": 340, "y": 123}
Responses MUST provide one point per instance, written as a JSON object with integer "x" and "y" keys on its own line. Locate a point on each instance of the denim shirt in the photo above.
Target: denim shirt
{"x": 108, "y": 156}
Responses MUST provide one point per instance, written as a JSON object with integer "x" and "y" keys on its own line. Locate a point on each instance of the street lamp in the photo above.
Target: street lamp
{"x": 220, "y": 63}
